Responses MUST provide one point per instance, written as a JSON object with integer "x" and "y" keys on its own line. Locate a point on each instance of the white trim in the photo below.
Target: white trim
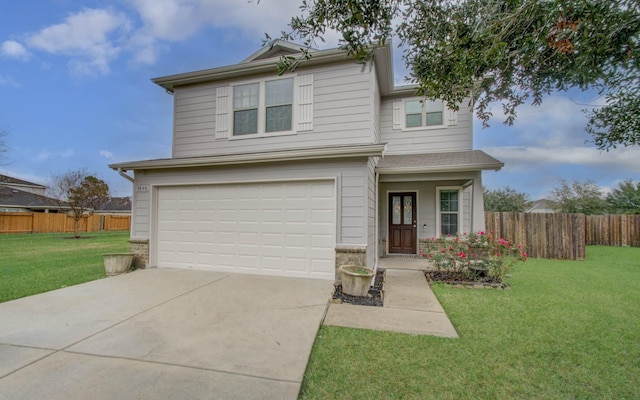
{"x": 417, "y": 193}
{"x": 262, "y": 108}
{"x": 460, "y": 207}
{"x": 303, "y": 98}
{"x": 423, "y": 127}
{"x": 222, "y": 112}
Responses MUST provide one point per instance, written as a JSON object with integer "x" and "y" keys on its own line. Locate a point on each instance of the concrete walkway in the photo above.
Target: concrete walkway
{"x": 162, "y": 334}
{"x": 409, "y": 306}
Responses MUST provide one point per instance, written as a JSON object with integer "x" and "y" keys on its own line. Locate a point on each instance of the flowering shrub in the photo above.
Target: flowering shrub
{"x": 474, "y": 254}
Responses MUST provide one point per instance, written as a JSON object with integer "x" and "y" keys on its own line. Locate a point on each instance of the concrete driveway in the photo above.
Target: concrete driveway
{"x": 162, "y": 334}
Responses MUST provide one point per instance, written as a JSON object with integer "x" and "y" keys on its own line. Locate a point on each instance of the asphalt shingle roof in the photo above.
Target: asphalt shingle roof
{"x": 472, "y": 160}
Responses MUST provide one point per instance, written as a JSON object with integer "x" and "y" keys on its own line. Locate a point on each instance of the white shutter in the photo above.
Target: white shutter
{"x": 397, "y": 115}
{"x": 304, "y": 115}
{"x": 222, "y": 112}
{"x": 451, "y": 116}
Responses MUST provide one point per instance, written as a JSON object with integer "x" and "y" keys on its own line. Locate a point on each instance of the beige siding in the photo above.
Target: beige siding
{"x": 342, "y": 114}
{"x": 350, "y": 175}
{"x": 451, "y": 138}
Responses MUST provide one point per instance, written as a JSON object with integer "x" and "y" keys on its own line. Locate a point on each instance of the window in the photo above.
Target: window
{"x": 449, "y": 211}
{"x": 263, "y": 107}
{"x": 421, "y": 113}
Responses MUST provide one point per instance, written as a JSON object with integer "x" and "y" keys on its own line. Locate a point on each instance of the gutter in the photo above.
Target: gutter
{"x": 371, "y": 150}
{"x": 125, "y": 176}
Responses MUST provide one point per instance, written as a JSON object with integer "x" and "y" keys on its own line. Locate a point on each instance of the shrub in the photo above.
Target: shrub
{"x": 474, "y": 254}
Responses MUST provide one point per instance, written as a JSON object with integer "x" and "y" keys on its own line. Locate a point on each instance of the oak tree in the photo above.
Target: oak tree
{"x": 507, "y": 51}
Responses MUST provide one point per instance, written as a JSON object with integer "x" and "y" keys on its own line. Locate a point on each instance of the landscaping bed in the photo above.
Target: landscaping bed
{"x": 462, "y": 279}
{"x": 374, "y": 298}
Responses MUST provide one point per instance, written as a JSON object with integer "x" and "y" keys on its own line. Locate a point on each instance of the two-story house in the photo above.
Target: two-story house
{"x": 295, "y": 175}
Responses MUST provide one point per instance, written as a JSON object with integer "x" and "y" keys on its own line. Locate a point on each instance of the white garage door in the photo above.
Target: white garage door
{"x": 283, "y": 228}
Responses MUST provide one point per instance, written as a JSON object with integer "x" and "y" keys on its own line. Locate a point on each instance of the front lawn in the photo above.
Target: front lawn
{"x": 565, "y": 330}
{"x": 36, "y": 263}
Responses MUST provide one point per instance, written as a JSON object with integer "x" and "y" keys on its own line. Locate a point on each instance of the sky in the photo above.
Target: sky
{"x": 75, "y": 91}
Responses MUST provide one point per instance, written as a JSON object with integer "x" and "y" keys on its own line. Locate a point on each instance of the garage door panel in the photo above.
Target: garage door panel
{"x": 285, "y": 228}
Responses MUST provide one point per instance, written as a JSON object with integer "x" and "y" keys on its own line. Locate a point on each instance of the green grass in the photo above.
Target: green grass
{"x": 36, "y": 263}
{"x": 565, "y": 330}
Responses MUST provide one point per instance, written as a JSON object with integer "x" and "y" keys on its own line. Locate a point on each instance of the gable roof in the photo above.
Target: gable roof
{"x": 278, "y": 48}
{"x": 12, "y": 197}
{"x": 263, "y": 62}
{"x": 472, "y": 160}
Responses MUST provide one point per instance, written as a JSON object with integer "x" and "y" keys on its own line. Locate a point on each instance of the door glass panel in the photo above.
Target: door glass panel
{"x": 408, "y": 210}
{"x": 396, "y": 207}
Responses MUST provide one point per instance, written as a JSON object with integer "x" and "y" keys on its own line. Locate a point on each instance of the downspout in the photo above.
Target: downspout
{"x": 124, "y": 175}
{"x": 377, "y": 239}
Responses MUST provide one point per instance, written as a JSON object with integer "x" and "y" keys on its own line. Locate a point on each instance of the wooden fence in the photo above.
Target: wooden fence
{"x": 553, "y": 236}
{"x": 613, "y": 230}
{"x": 12, "y": 222}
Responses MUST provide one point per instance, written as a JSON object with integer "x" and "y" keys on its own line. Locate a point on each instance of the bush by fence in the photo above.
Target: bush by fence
{"x": 553, "y": 236}
{"x": 11, "y": 222}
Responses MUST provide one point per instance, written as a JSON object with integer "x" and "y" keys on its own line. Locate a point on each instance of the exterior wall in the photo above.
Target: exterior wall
{"x": 352, "y": 188}
{"x": 425, "y": 186}
{"x": 342, "y": 114}
{"x": 457, "y": 137}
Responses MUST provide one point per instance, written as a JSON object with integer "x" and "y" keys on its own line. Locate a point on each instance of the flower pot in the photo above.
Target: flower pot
{"x": 117, "y": 263}
{"x": 356, "y": 280}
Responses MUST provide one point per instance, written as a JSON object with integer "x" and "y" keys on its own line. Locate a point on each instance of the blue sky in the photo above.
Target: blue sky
{"x": 75, "y": 91}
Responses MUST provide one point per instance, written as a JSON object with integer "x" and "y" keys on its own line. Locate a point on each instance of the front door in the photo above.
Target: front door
{"x": 402, "y": 223}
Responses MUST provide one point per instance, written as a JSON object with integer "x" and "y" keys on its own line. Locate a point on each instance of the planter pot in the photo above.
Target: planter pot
{"x": 356, "y": 280}
{"x": 118, "y": 263}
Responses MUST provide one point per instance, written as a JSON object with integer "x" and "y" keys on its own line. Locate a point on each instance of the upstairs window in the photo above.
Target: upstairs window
{"x": 263, "y": 107}
{"x": 423, "y": 113}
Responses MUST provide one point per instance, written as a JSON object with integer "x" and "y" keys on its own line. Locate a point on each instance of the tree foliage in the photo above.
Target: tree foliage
{"x": 625, "y": 199}
{"x": 578, "y": 197}
{"x": 508, "y": 51}
{"x": 81, "y": 192}
{"x": 505, "y": 200}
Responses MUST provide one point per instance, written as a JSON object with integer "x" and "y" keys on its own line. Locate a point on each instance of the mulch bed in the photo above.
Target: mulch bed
{"x": 374, "y": 298}
{"x": 461, "y": 279}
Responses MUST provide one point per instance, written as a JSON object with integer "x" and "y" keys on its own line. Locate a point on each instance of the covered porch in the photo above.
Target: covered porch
{"x": 428, "y": 195}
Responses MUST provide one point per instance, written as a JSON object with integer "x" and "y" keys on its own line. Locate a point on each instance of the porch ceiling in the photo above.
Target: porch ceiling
{"x": 471, "y": 160}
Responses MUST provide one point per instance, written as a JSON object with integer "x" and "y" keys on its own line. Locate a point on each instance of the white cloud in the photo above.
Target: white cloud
{"x": 8, "y": 80}
{"x": 176, "y": 20}
{"x": 46, "y": 155}
{"x": 524, "y": 158}
{"x": 13, "y": 49}
{"x": 106, "y": 154}
{"x": 87, "y": 36}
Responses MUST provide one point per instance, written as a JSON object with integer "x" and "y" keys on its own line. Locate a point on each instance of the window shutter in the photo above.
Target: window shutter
{"x": 222, "y": 112}
{"x": 451, "y": 116}
{"x": 304, "y": 115}
{"x": 397, "y": 115}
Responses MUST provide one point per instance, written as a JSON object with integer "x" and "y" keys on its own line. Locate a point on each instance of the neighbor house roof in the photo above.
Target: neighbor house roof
{"x": 116, "y": 204}
{"x": 472, "y": 160}
{"x": 18, "y": 182}
{"x": 12, "y": 197}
